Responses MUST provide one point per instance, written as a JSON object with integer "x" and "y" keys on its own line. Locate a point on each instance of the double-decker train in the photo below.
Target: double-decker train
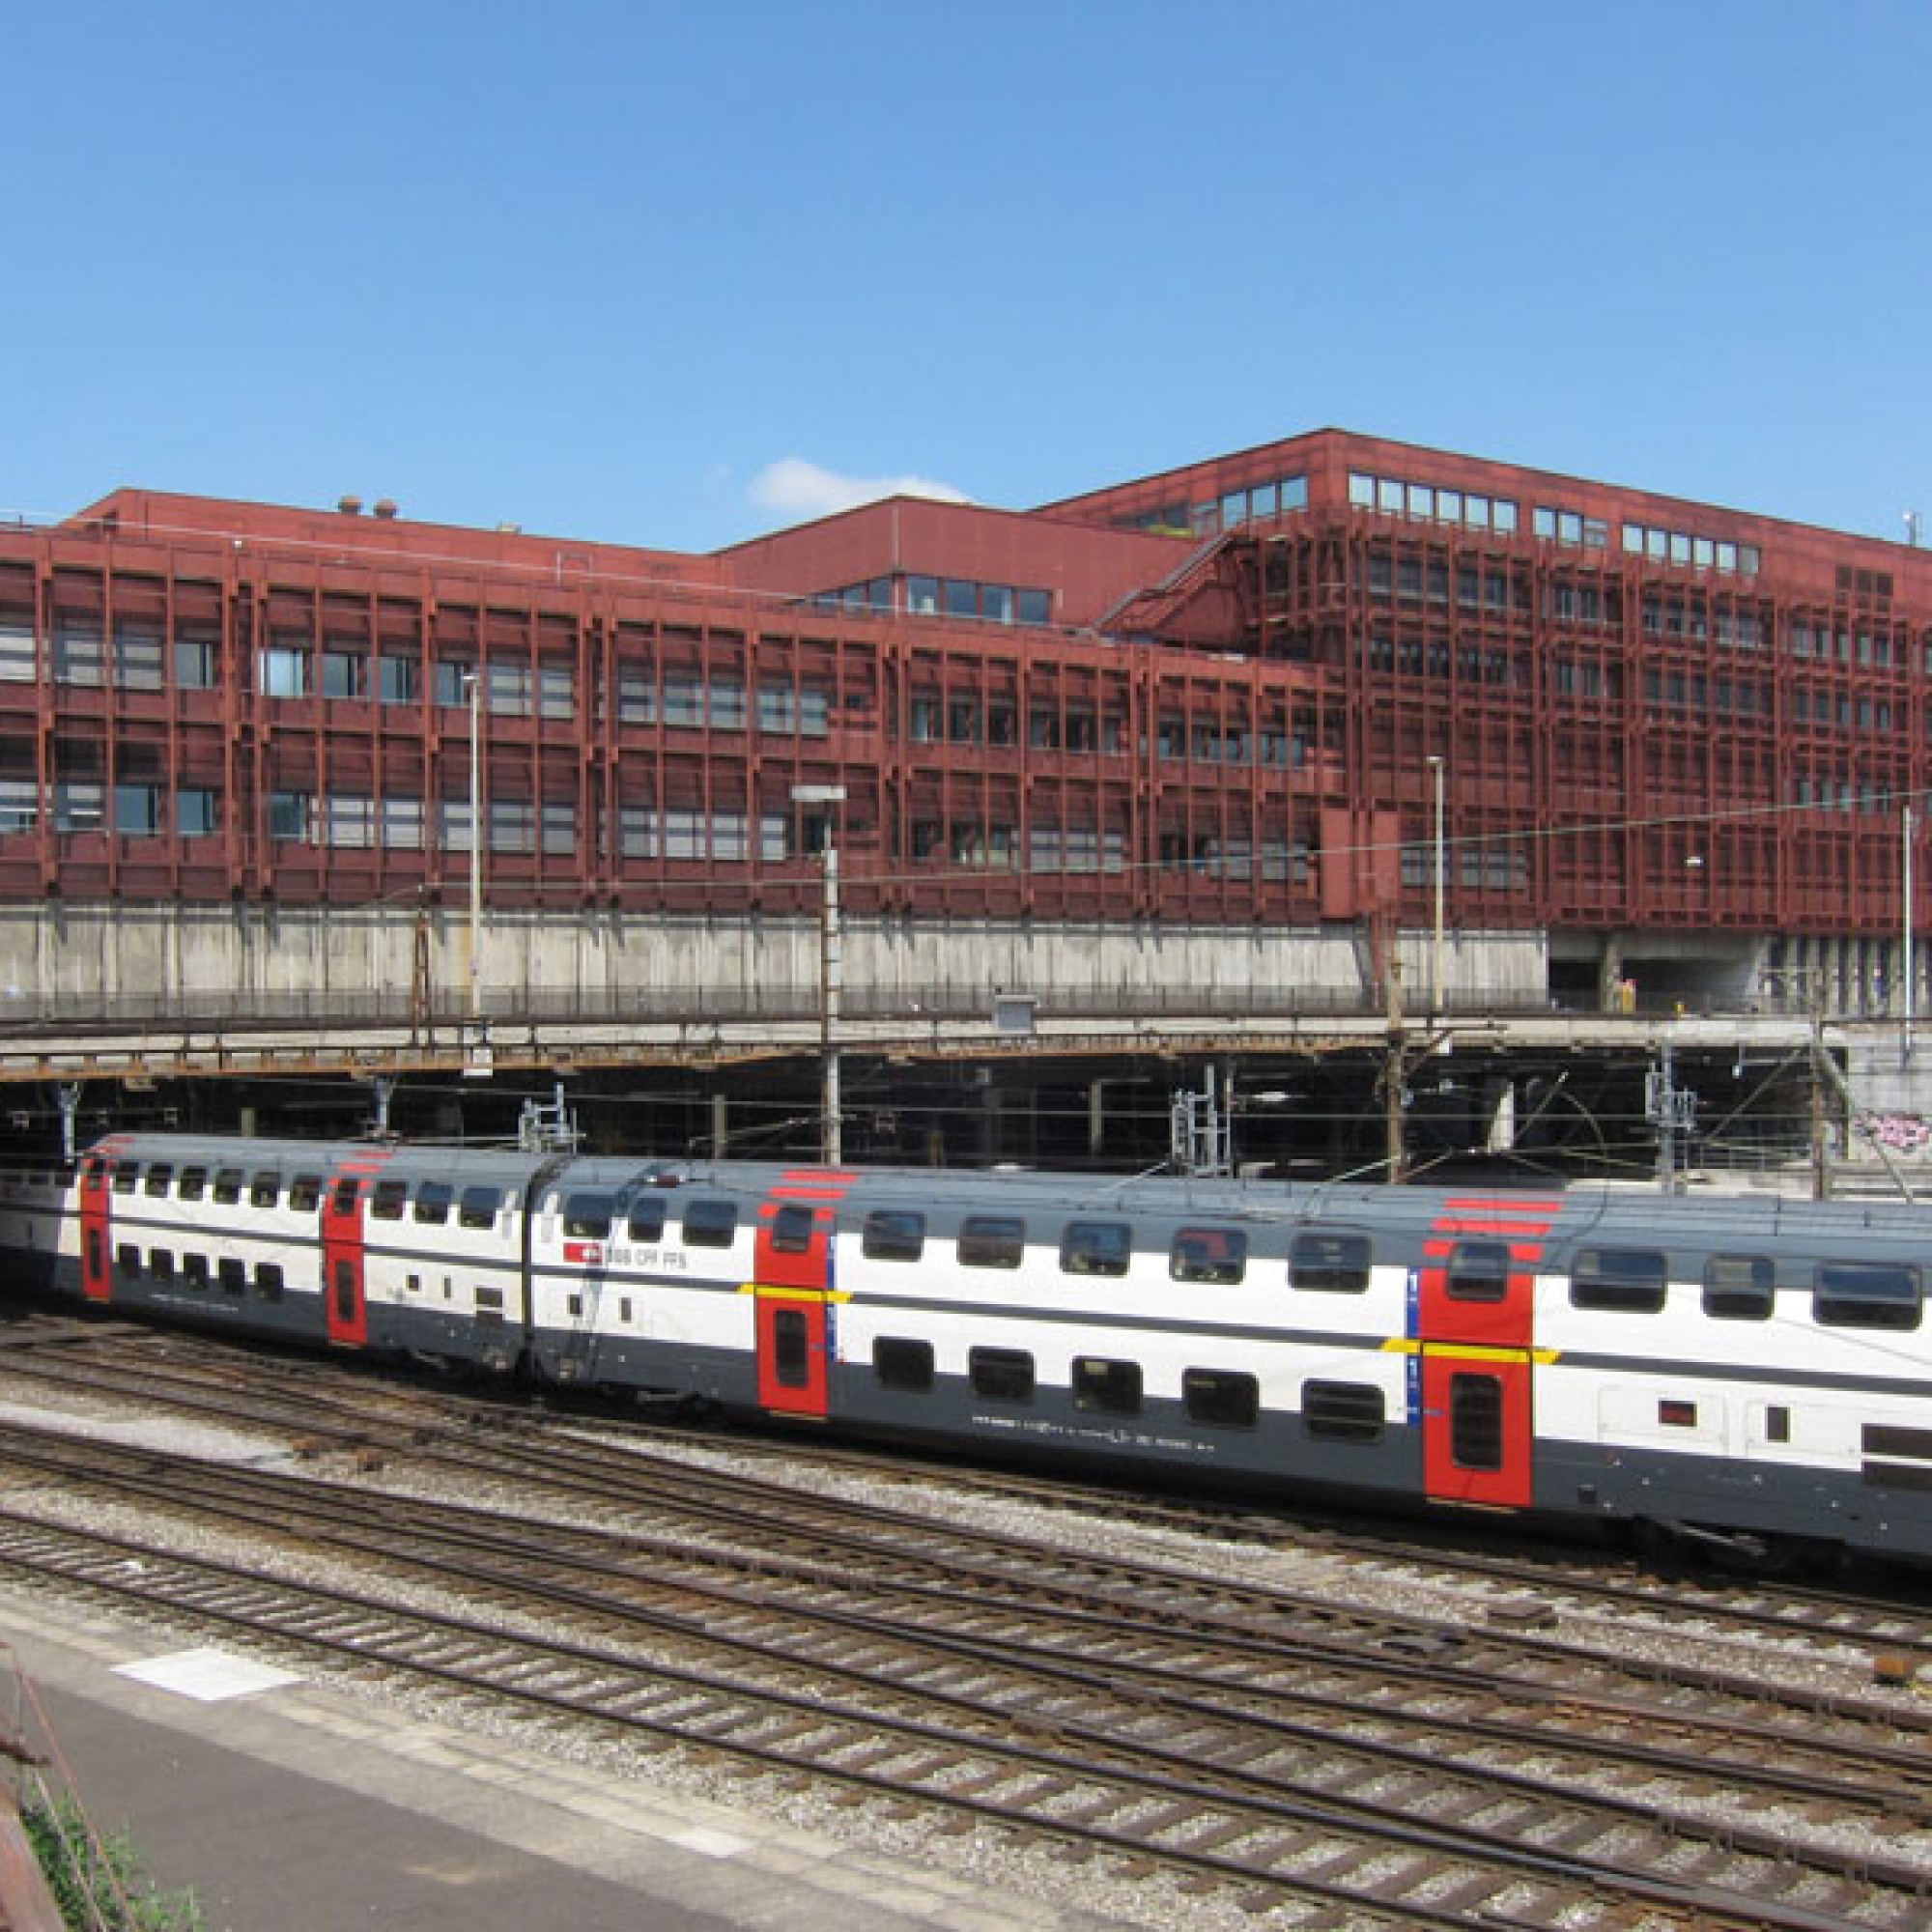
{"x": 1751, "y": 1370}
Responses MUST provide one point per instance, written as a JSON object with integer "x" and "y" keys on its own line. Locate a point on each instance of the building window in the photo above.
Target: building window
{"x": 344, "y": 674}
{"x": 197, "y": 812}
{"x": 137, "y": 810}
{"x": 289, "y": 816}
{"x": 399, "y": 680}
{"x": 285, "y": 670}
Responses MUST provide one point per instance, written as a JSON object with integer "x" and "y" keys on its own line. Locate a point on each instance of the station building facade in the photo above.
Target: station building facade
{"x": 1257, "y": 730}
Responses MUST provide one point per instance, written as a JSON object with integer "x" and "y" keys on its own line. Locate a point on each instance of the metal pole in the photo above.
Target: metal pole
{"x": 1909, "y": 964}
{"x": 832, "y": 1143}
{"x": 835, "y": 1145}
{"x": 1435, "y": 981}
{"x": 475, "y": 682}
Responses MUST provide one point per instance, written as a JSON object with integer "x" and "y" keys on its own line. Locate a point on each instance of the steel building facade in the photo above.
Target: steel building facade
{"x": 1274, "y": 691}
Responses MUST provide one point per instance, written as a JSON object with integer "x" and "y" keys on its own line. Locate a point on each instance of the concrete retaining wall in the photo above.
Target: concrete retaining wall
{"x": 131, "y": 958}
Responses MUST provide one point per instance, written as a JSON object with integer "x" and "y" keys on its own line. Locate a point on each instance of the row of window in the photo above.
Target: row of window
{"x": 1735, "y": 1287}
{"x": 949, "y": 596}
{"x": 1398, "y": 496}
{"x": 1685, "y": 547}
{"x": 1258, "y": 502}
{"x": 230, "y": 1274}
{"x": 1216, "y": 1398}
{"x": 477, "y": 1206}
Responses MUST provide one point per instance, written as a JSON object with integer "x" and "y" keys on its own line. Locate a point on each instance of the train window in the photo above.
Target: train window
{"x": 1477, "y": 1271}
{"x": 1343, "y": 1412}
{"x": 194, "y": 1270}
{"x": 791, "y": 1227}
{"x": 477, "y": 1206}
{"x": 433, "y": 1199}
{"x": 266, "y": 1189}
{"x": 1095, "y": 1247}
{"x": 1113, "y": 1387}
{"x": 193, "y": 1182}
{"x": 1626, "y": 1279}
{"x": 227, "y": 1185}
{"x": 1005, "y": 1375}
{"x": 1221, "y": 1398}
{"x": 991, "y": 1241}
{"x": 268, "y": 1280}
{"x": 586, "y": 1217}
{"x": 387, "y": 1199}
{"x": 128, "y": 1259}
{"x": 348, "y": 1193}
{"x": 894, "y": 1235}
{"x": 1329, "y": 1263}
{"x": 490, "y": 1305}
{"x": 162, "y": 1263}
{"x": 575, "y": 1304}
{"x": 158, "y": 1178}
{"x": 1675, "y": 1413}
{"x": 647, "y": 1220}
{"x": 1476, "y": 1421}
{"x": 232, "y": 1271}
{"x": 1739, "y": 1288}
{"x": 124, "y": 1174}
{"x": 305, "y": 1193}
{"x": 1777, "y": 1423}
{"x": 791, "y": 1349}
{"x": 710, "y": 1224}
{"x": 1208, "y": 1254}
{"x": 1867, "y": 1295}
{"x": 93, "y": 1253}
{"x": 345, "y": 1290}
{"x": 902, "y": 1365}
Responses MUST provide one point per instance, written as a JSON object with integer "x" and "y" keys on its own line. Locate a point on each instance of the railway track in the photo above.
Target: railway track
{"x": 1358, "y": 1767}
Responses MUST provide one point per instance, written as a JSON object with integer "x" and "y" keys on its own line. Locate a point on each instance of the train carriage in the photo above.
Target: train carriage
{"x": 1751, "y": 1371}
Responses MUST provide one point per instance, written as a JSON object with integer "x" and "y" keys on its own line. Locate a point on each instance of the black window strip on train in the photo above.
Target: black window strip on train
{"x": 1628, "y": 1281}
{"x": 1206, "y": 1254}
{"x": 892, "y": 1234}
{"x": 1864, "y": 1294}
{"x": 1478, "y": 1271}
{"x": 710, "y": 1223}
{"x": 1325, "y": 1264}
{"x": 1343, "y": 1412}
{"x": 1113, "y": 1388}
{"x": 791, "y": 1227}
{"x": 991, "y": 1241}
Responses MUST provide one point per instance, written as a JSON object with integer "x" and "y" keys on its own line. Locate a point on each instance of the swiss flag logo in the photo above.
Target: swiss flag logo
{"x": 585, "y": 1254}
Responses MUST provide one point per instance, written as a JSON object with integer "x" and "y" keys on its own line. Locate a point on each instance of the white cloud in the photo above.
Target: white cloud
{"x": 794, "y": 488}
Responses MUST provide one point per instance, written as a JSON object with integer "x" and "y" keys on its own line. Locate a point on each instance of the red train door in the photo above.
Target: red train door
{"x": 97, "y": 1251}
{"x": 1475, "y": 1322}
{"x": 343, "y": 1285}
{"x": 795, "y": 1297}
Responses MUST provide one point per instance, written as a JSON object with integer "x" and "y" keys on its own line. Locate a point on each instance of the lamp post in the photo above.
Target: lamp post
{"x": 473, "y": 688}
{"x": 1435, "y": 767}
{"x": 830, "y": 973}
{"x": 1909, "y": 965}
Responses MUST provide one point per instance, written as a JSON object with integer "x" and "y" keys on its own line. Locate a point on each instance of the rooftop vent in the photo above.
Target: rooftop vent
{"x": 386, "y": 507}
{"x": 350, "y": 506}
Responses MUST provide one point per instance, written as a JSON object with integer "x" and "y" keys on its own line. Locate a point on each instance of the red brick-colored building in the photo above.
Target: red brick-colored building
{"x": 1275, "y": 691}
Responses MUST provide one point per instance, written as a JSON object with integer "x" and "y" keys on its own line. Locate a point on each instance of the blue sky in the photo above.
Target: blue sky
{"x": 674, "y": 274}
